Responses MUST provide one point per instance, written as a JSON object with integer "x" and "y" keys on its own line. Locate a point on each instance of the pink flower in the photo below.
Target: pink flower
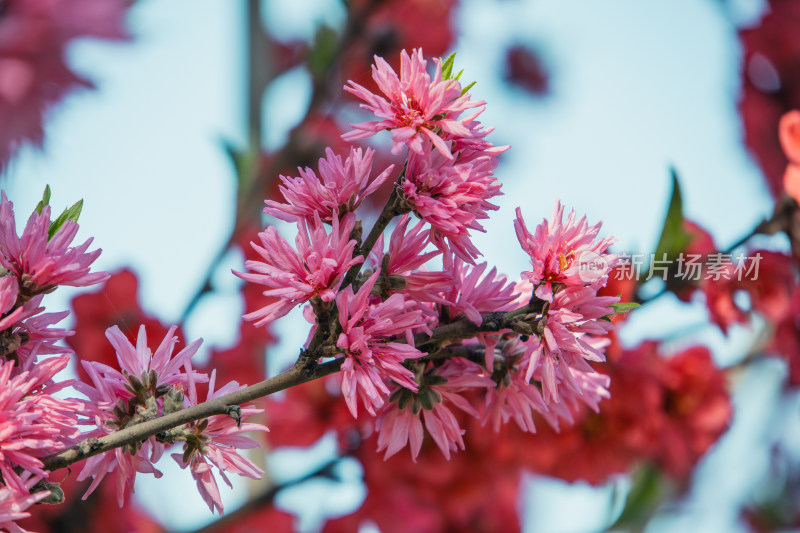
{"x": 514, "y": 397}
{"x": 564, "y": 252}
{"x": 14, "y": 504}
{"x": 419, "y": 110}
{"x": 9, "y": 289}
{"x": 572, "y": 324}
{"x": 400, "y": 422}
{"x": 451, "y": 197}
{"x": 110, "y": 413}
{"x": 294, "y": 277}
{"x": 370, "y": 357}
{"x": 474, "y": 292}
{"x": 120, "y": 399}
{"x": 33, "y": 424}
{"x": 34, "y": 326}
{"x": 215, "y": 440}
{"x": 33, "y": 73}
{"x": 160, "y": 368}
{"x": 401, "y": 265}
{"x": 41, "y": 263}
{"x": 343, "y": 187}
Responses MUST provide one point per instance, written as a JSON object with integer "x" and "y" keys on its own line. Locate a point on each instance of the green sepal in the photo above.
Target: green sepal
{"x": 620, "y": 308}
{"x": 447, "y": 67}
{"x": 44, "y": 201}
{"x": 71, "y": 213}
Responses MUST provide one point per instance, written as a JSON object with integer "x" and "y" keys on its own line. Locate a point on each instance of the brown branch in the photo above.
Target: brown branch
{"x": 306, "y": 369}
{"x": 463, "y": 329}
{"x": 390, "y": 210}
{"x": 218, "y": 406}
{"x": 267, "y": 497}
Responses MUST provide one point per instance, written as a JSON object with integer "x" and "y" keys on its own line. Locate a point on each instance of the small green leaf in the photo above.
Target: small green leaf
{"x": 648, "y": 490}
{"x": 620, "y": 308}
{"x": 323, "y": 52}
{"x": 674, "y": 239}
{"x": 624, "y": 307}
{"x": 447, "y": 66}
{"x": 44, "y": 201}
{"x": 71, "y": 213}
{"x": 244, "y": 161}
{"x": 447, "y": 72}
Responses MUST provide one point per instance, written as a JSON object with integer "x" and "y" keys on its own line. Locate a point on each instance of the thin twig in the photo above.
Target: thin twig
{"x": 306, "y": 369}
{"x": 218, "y": 406}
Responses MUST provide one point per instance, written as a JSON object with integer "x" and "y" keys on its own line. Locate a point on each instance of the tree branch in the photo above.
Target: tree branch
{"x": 390, "y": 210}
{"x": 218, "y": 406}
{"x": 306, "y": 369}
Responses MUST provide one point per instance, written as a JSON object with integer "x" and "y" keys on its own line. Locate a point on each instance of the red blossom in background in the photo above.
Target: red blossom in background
{"x": 34, "y": 74}
{"x": 394, "y": 25}
{"x": 771, "y": 85}
{"x": 668, "y": 410}
{"x": 116, "y": 303}
{"x": 524, "y": 68}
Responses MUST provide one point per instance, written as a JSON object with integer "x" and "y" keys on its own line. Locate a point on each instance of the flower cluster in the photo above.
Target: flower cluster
{"x": 426, "y": 340}
{"x": 35, "y": 421}
{"x": 413, "y": 340}
{"x": 152, "y": 384}
{"x": 139, "y": 385}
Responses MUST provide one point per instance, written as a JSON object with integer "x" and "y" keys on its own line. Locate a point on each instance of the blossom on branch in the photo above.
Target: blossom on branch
{"x": 451, "y": 197}
{"x": 402, "y": 265}
{"x": 120, "y": 399}
{"x": 514, "y": 396}
{"x": 343, "y": 186}
{"x": 476, "y": 291}
{"x": 316, "y": 268}
{"x": 567, "y": 343}
{"x": 370, "y": 359}
{"x": 419, "y": 110}
{"x": 33, "y": 424}
{"x": 564, "y": 252}
{"x": 215, "y": 441}
{"x": 139, "y": 365}
{"x": 40, "y": 262}
{"x": 400, "y": 423}
{"x": 14, "y": 504}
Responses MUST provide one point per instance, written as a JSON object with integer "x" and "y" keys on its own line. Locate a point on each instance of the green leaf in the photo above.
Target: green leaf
{"x": 674, "y": 239}
{"x": 447, "y": 72}
{"x": 244, "y": 161}
{"x": 648, "y": 490}
{"x": 323, "y": 52}
{"x": 44, "y": 201}
{"x": 624, "y": 307}
{"x": 447, "y": 67}
{"x": 620, "y": 308}
{"x": 71, "y": 213}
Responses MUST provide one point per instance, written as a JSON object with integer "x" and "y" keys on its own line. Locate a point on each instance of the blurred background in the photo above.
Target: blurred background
{"x": 194, "y": 114}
